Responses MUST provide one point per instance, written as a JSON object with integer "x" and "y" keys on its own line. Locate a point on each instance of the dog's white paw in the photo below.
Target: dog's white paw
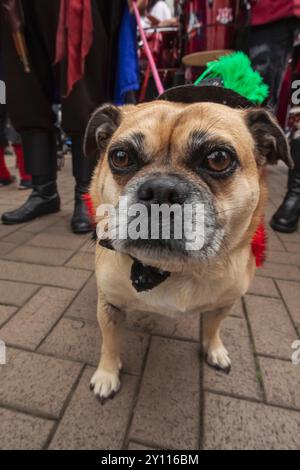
{"x": 218, "y": 358}
{"x": 105, "y": 384}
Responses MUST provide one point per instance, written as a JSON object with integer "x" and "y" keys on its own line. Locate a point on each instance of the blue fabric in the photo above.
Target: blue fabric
{"x": 127, "y": 78}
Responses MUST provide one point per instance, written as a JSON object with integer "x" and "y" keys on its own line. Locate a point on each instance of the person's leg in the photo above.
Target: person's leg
{"x": 15, "y": 139}
{"x": 270, "y": 46}
{"x": 286, "y": 217}
{"x": 94, "y": 89}
{"x": 29, "y": 101}
{"x": 44, "y": 199}
{"x": 82, "y": 171}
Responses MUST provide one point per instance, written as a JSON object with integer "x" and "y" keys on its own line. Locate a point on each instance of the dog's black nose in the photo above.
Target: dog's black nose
{"x": 162, "y": 190}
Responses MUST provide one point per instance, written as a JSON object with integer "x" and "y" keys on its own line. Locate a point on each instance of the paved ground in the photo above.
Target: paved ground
{"x": 169, "y": 398}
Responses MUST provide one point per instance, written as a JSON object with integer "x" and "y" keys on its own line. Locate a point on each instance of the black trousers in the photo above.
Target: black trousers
{"x": 30, "y": 95}
{"x": 3, "y": 133}
{"x": 269, "y": 47}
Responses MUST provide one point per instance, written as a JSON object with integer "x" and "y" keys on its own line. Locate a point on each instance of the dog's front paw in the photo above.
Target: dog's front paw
{"x": 105, "y": 384}
{"x": 218, "y": 358}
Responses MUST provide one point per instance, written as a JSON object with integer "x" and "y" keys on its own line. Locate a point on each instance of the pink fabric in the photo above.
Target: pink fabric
{"x": 267, "y": 11}
{"x": 148, "y": 53}
{"x": 74, "y": 37}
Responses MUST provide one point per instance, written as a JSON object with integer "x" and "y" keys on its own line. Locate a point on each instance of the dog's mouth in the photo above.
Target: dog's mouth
{"x": 165, "y": 218}
{"x": 169, "y": 250}
{"x": 191, "y": 233}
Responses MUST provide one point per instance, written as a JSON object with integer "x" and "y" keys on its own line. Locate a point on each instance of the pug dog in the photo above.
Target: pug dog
{"x": 166, "y": 152}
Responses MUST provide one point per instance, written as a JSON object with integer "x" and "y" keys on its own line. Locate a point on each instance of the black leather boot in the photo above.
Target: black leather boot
{"x": 44, "y": 199}
{"x": 80, "y": 222}
{"x": 286, "y": 217}
{"x": 82, "y": 171}
{"x": 39, "y": 148}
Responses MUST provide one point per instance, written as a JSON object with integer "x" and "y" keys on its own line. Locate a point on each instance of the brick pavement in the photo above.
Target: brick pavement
{"x": 169, "y": 398}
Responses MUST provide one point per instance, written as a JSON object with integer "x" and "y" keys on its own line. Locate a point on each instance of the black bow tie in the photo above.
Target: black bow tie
{"x": 143, "y": 277}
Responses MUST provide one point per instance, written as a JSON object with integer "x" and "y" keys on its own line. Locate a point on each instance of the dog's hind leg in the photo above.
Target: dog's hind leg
{"x": 105, "y": 381}
{"x": 215, "y": 353}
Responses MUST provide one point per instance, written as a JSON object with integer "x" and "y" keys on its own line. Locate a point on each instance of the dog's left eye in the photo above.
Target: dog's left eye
{"x": 218, "y": 161}
{"x": 120, "y": 159}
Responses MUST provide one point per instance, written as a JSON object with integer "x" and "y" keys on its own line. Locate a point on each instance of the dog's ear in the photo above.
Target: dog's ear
{"x": 101, "y": 126}
{"x": 270, "y": 141}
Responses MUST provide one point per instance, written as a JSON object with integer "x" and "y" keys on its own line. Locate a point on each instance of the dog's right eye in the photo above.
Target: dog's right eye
{"x": 119, "y": 160}
{"x": 218, "y": 161}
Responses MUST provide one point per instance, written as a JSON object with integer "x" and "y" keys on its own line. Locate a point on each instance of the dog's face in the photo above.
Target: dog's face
{"x": 199, "y": 157}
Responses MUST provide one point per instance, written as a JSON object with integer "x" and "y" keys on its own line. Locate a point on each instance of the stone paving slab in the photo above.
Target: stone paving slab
{"x": 19, "y": 431}
{"x": 281, "y": 381}
{"x": 234, "y": 333}
{"x": 40, "y": 224}
{"x": 186, "y": 327}
{"x": 17, "y": 238}
{"x": 54, "y": 240}
{"x": 272, "y": 329}
{"x": 290, "y": 292}
{"x": 39, "y": 255}
{"x": 292, "y": 247}
{"x": 55, "y": 276}
{"x": 36, "y": 383}
{"x": 238, "y": 424}
{"x": 237, "y": 310}
{"x": 82, "y": 260}
{"x": 16, "y": 293}
{"x": 168, "y": 408}
{"x": 6, "y": 247}
{"x": 84, "y": 306}
{"x": 80, "y": 341}
{"x": 135, "y": 446}
{"x": 6, "y": 312}
{"x": 282, "y": 271}
{"x": 7, "y": 229}
{"x": 284, "y": 257}
{"x": 263, "y": 286}
{"x": 274, "y": 243}
{"x": 37, "y": 317}
{"x": 88, "y": 425}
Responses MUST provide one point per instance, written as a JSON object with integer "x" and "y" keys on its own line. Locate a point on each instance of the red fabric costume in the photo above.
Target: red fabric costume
{"x": 4, "y": 172}
{"x": 74, "y": 37}
{"x": 267, "y": 11}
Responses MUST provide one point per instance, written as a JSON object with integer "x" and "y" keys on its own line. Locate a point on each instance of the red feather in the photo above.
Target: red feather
{"x": 258, "y": 245}
{"x": 90, "y": 207}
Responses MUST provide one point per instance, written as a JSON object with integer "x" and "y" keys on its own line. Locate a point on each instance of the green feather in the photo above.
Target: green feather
{"x": 238, "y": 75}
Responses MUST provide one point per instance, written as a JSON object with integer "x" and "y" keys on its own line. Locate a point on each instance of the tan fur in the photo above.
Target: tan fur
{"x": 211, "y": 286}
